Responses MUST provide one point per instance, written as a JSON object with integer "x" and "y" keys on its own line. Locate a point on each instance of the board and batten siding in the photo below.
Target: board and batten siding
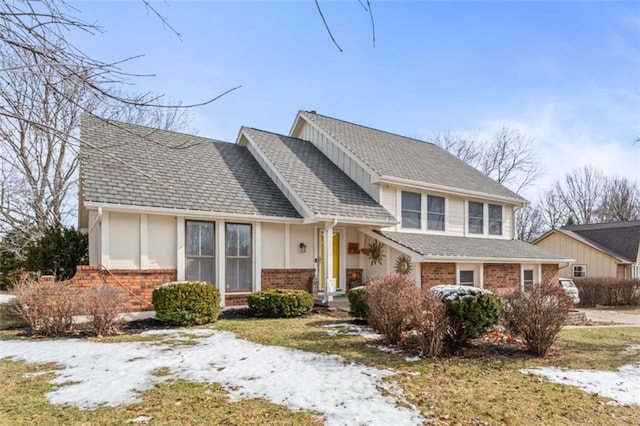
{"x": 598, "y": 264}
{"x": 338, "y": 156}
{"x": 273, "y": 245}
{"x": 162, "y": 240}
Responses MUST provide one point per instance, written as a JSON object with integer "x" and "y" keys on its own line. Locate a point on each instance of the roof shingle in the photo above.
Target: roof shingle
{"x": 464, "y": 247}
{"x": 620, "y": 239}
{"x": 397, "y": 156}
{"x": 135, "y": 165}
{"x": 317, "y": 181}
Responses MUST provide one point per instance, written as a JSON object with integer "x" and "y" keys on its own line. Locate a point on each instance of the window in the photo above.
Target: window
{"x": 239, "y": 266}
{"x": 435, "y": 213}
{"x": 579, "y": 271}
{"x": 476, "y": 217}
{"x": 466, "y": 278}
{"x": 199, "y": 254}
{"x": 411, "y": 209}
{"x": 495, "y": 219}
{"x": 527, "y": 278}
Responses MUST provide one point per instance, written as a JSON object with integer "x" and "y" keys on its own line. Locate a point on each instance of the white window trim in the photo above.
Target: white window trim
{"x": 478, "y": 273}
{"x": 485, "y": 221}
{"x": 421, "y": 211}
{"x": 501, "y": 234}
{"x": 426, "y": 213}
{"x": 573, "y": 271}
{"x": 537, "y": 271}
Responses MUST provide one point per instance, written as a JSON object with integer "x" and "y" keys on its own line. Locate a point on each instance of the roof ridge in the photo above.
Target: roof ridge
{"x": 151, "y": 130}
{"x": 369, "y": 127}
{"x": 275, "y": 133}
{"x": 602, "y": 225}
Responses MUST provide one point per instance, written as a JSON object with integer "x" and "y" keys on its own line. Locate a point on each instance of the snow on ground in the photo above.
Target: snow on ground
{"x": 623, "y": 386}
{"x": 93, "y": 374}
{"x": 6, "y": 298}
{"x": 348, "y": 329}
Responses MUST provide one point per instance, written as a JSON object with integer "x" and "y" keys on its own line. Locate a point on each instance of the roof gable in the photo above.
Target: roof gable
{"x": 133, "y": 165}
{"x": 621, "y": 239}
{"x": 394, "y": 156}
{"x": 323, "y": 189}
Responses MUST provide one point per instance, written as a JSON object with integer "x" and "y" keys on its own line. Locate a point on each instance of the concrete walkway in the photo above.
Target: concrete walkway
{"x": 611, "y": 317}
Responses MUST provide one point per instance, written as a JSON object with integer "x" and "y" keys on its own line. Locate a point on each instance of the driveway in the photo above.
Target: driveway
{"x": 611, "y": 317}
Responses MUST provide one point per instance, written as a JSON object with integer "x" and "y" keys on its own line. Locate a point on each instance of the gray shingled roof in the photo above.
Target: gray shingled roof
{"x": 464, "y": 247}
{"x": 619, "y": 239}
{"x": 402, "y": 157}
{"x": 317, "y": 181}
{"x": 174, "y": 170}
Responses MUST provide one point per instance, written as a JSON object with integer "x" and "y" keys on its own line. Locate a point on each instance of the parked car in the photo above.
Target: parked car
{"x": 570, "y": 288}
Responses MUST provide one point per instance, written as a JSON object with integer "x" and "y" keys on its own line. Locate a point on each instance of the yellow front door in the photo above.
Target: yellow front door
{"x": 336, "y": 260}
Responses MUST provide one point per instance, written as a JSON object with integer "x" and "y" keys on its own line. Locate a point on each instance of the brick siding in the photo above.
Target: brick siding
{"x": 549, "y": 274}
{"x": 292, "y": 279}
{"x": 437, "y": 273}
{"x": 501, "y": 278}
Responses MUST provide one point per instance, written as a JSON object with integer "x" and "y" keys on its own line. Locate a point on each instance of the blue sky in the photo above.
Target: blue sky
{"x": 565, "y": 73}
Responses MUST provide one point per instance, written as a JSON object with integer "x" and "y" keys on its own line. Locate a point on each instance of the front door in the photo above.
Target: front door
{"x": 337, "y": 254}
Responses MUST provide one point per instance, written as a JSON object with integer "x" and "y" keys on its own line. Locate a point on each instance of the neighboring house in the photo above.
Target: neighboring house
{"x": 600, "y": 249}
{"x": 290, "y": 211}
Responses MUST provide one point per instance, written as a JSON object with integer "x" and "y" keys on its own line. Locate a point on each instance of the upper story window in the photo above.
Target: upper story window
{"x": 579, "y": 271}
{"x": 476, "y": 217}
{"x": 435, "y": 213}
{"x": 495, "y": 219}
{"x": 411, "y": 210}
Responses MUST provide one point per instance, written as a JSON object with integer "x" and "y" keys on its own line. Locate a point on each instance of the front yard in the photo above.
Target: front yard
{"x": 481, "y": 385}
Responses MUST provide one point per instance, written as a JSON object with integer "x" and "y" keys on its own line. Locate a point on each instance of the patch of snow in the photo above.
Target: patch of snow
{"x": 140, "y": 419}
{"x": 113, "y": 374}
{"x": 623, "y": 386}
{"x": 6, "y": 298}
{"x": 353, "y": 330}
{"x": 452, "y": 292}
{"x": 391, "y": 350}
{"x": 634, "y": 348}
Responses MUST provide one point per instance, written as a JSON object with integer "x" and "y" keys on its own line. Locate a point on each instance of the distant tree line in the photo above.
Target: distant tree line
{"x": 584, "y": 195}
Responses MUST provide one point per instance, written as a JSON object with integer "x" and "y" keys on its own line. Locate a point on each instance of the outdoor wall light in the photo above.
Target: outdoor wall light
{"x": 303, "y": 248}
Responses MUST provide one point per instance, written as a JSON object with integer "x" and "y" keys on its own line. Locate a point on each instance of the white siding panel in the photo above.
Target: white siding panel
{"x": 94, "y": 239}
{"x": 302, "y": 234}
{"x": 124, "y": 241}
{"x": 507, "y": 222}
{"x": 273, "y": 242}
{"x": 162, "y": 242}
{"x": 455, "y": 216}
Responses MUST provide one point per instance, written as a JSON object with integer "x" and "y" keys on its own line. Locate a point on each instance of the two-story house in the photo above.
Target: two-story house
{"x": 331, "y": 202}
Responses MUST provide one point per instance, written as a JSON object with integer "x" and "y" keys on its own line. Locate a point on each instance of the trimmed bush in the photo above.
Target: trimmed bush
{"x": 538, "y": 315}
{"x": 430, "y": 323}
{"x": 103, "y": 305}
{"x": 48, "y": 309}
{"x": 608, "y": 291}
{"x": 187, "y": 303}
{"x": 280, "y": 303}
{"x": 470, "y": 310}
{"x": 357, "y": 307}
{"x": 389, "y": 305}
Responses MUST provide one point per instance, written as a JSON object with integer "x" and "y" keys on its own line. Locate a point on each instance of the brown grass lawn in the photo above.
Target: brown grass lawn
{"x": 481, "y": 385}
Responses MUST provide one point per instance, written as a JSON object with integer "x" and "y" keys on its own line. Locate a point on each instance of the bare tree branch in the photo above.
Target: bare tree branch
{"x": 326, "y": 26}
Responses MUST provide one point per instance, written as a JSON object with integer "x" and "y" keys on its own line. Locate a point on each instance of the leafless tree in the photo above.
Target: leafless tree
{"x": 620, "y": 201}
{"x": 529, "y": 223}
{"x": 552, "y": 210}
{"x": 581, "y": 192}
{"x": 508, "y": 157}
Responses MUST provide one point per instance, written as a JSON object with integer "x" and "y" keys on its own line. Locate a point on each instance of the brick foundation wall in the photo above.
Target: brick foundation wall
{"x": 549, "y": 274}
{"x": 437, "y": 273}
{"x": 292, "y": 279}
{"x": 501, "y": 278}
{"x": 136, "y": 285}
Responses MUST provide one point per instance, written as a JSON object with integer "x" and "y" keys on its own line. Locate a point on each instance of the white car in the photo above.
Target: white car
{"x": 570, "y": 288}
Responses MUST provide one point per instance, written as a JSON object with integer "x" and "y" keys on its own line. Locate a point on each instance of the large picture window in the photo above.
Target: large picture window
{"x": 495, "y": 219}
{"x": 411, "y": 209}
{"x": 239, "y": 262}
{"x": 476, "y": 217}
{"x": 200, "y": 254}
{"x": 435, "y": 213}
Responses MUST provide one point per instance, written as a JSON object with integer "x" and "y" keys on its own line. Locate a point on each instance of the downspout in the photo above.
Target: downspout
{"x": 330, "y": 280}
